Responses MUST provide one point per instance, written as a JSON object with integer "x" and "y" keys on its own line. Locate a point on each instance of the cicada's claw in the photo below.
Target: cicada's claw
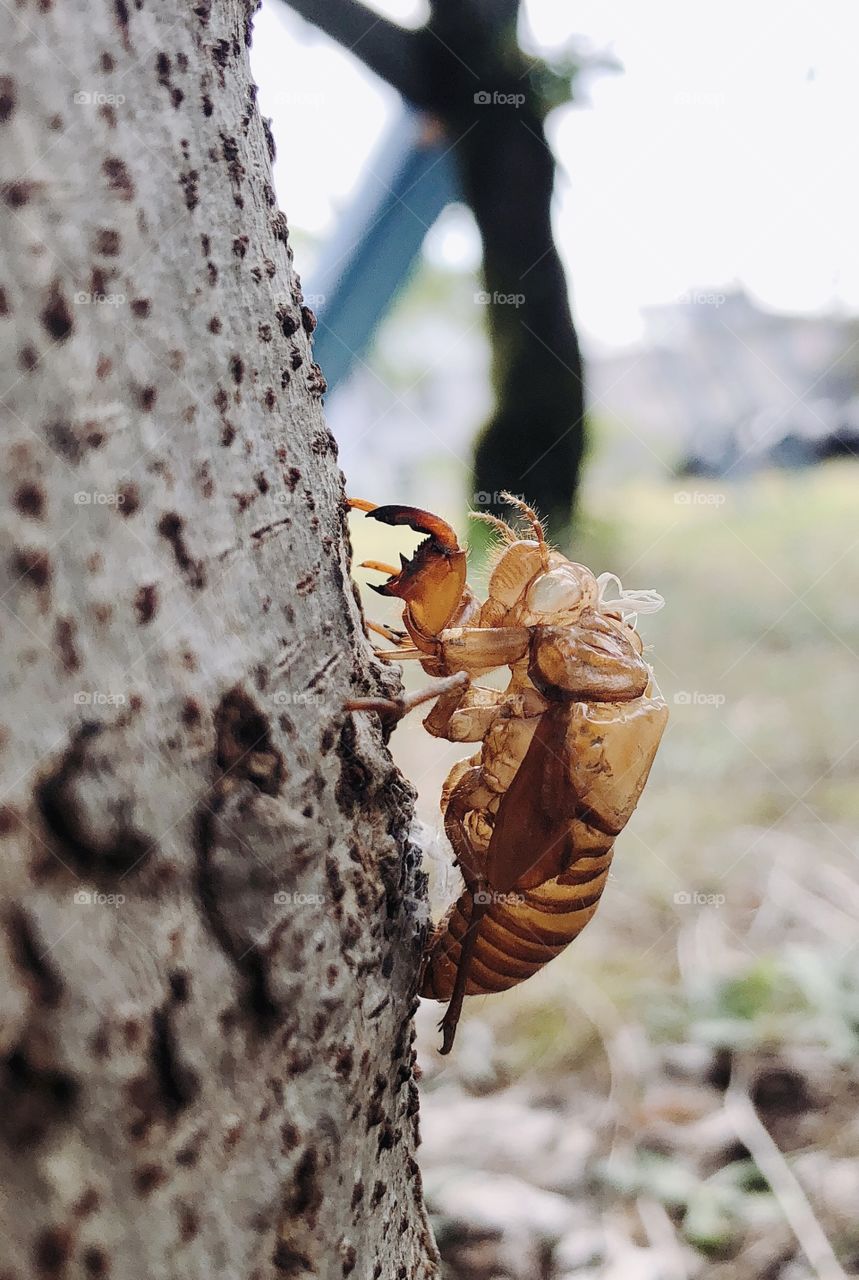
{"x": 433, "y": 581}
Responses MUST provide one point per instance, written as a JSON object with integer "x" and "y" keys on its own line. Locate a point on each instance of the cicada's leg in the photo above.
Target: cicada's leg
{"x": 480, "y": 901}
{"x": 396, "y": 708}
{"x": 472, "y": 863}
{"x": 389, "y": 633}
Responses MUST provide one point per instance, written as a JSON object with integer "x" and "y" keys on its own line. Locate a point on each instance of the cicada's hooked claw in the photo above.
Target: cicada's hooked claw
{"x": 433, "y": 581}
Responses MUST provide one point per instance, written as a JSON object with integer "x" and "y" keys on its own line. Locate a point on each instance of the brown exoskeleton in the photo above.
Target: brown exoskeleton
{"x": 565, "y": 749}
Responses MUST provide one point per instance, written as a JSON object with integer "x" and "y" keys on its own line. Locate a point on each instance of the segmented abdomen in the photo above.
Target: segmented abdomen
{"x": 520, "y": 933}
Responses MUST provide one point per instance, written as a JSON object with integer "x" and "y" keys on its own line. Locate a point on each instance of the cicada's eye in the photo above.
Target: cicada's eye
{"x": 557, "y": 591}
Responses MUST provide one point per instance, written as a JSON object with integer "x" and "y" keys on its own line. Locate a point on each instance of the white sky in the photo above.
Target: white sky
{"x": 726, "y": 152}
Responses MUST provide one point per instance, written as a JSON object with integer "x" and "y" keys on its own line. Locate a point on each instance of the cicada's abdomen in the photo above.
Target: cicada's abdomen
{"x": 521, "y": 932}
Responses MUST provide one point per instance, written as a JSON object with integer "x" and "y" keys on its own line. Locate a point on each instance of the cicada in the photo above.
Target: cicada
{"x": 565, "y": 749}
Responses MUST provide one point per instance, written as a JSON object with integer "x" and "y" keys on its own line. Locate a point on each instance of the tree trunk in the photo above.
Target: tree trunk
{"x": 211, "y": 910}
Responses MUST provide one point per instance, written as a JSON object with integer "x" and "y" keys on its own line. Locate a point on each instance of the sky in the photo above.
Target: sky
{"x": 724, "y": 154}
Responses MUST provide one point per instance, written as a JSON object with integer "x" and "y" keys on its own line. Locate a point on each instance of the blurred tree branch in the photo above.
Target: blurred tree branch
{"x": 466, "y": 67}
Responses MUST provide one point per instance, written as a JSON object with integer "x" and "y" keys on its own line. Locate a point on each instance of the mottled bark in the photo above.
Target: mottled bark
{"x": 211, "y": 913}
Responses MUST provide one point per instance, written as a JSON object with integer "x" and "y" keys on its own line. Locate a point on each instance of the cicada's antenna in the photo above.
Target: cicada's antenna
{"x": 500, "y": 526}
{"x": 533, "y": 519}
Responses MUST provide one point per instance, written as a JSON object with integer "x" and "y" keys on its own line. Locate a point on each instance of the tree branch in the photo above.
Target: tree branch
{"x": 386, "y": 49}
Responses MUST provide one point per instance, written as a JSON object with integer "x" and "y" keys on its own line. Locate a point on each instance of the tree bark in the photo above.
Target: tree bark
{"x": 211, "y": 911}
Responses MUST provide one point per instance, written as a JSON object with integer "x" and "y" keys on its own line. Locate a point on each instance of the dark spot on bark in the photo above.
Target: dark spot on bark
{"x": 228, "y": 434}
{"x": 188, "y": 1156}
{"x": 10, "y": 820}
{"x": 146, "y": 397}
{"x": 30, "y": 501}
{"x": 52, "y": 1251}
{"x": 270, "y": 399}
{"x": 180, "y": 986}
{"x": 56, "y": 316}
{"x": 64, "y": 440}
{"x": 28, "y": 358}
{"x": 305, "y": 1194}
{"x": 215, "y": 325}
{"x": 32, "y": 1098}
{"x": 191, "y": 714}
{"x": 244, "y": 746}
{"x": 240, "y": 246}
{"x": 171, "y": 527}
{"x": 189, "y": 183}
{"x": 17, "y": 194}
{"x": 308, "y": 320}
{"x": 189, "y": 1221}
{"x": 106, "y": 62}
{"x": 237, "y": 369}
{"x": 7, "y": 98}
{"x": 129, "y": 496}
{"x": 289, "y": 1261}
{"x": 32, "y": 566}
{"x": 146, "y": 603}
{"x": 177, "y": 1083}
{"x": 123, "y": 847}
{"x": 108, "y": 242}
{"x": 118, "y": 178}
{"x": 96, "y": 1263}
{"x": 288, "y": 322}
{"x": 64, "y": 636}
{"x": 140, "y": 308}
{"x": 147, "y": 1177}
{"x": 103, "y": 367}
{"x": 280, "y": 227}
{"x": 87, "y": 1203}
{"x": 208, "y": 106}
{"x": 121, "y": 10}
{"x": 206, "y": 244}
{"x": 30, "y": 956}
